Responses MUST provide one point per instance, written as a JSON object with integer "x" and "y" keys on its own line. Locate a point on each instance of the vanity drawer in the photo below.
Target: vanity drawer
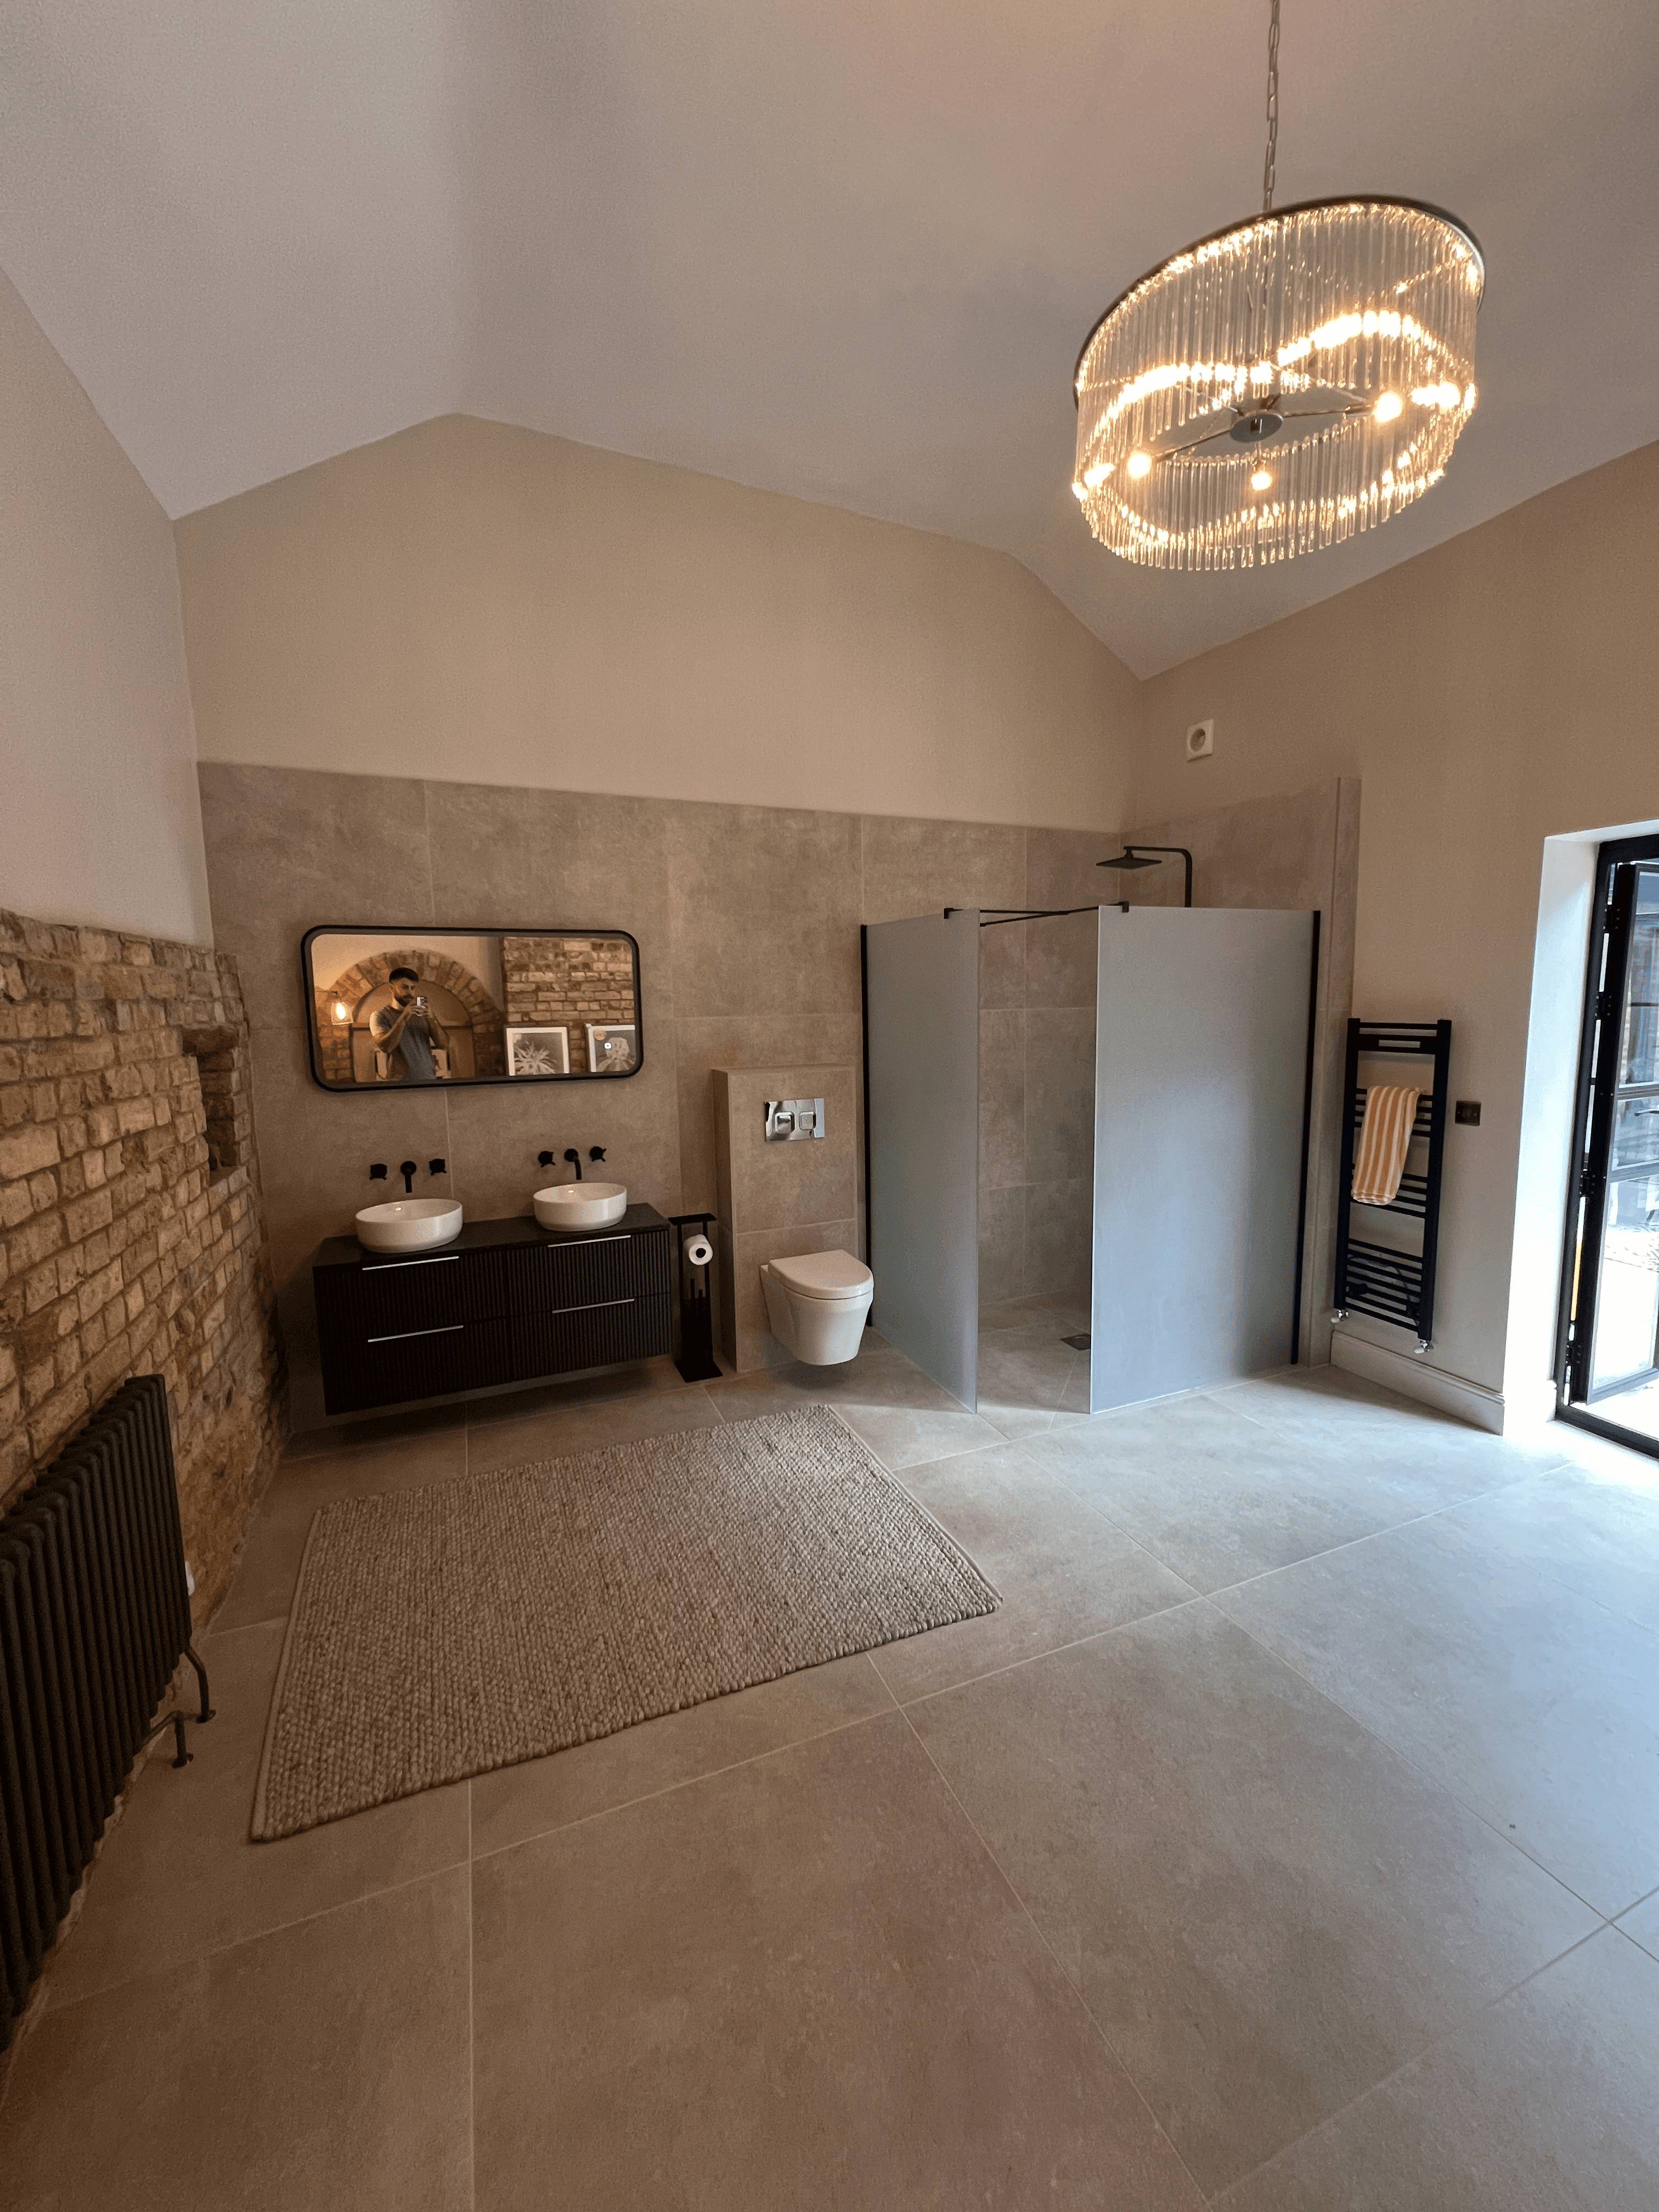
{"x": 393, "y": 1298}
{"x": 423, "y": 1363}
{"x": 591, "y": 1336}
{"x": 590, "y": 1271}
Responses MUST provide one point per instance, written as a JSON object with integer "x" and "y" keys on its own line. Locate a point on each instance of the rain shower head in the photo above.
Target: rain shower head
{"x": 1148, "y": 856}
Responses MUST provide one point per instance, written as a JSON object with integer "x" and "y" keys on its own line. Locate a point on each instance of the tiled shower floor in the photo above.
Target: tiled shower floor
{"x": 1289, "y": 1840}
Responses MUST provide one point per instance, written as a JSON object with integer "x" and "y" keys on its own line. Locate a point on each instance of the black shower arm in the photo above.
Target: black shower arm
{"x": 1175, "y": 851}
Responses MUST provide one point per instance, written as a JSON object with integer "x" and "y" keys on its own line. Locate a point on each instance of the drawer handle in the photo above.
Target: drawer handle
{"x": 599, "y": 1305}
{"x": 438, "y": 1260}
{"x": 403, "y": 1336}
{"x": 622, "y": 1237}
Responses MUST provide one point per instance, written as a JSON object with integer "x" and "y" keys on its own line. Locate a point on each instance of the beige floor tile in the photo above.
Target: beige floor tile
{"x": 1641, "y": 1923}
{"x": 178, "y": 1876}
{"x": 800, "y": 1984}
{"x": 555, "y": 1431}
{"x": 903, "y": 1415}
{"x": 1216, "y": 1496}
{"x": 276, "y": 1539}
{"x": 323, "y": 2066}
{"x": 1544, "y": 2103}
{"x": 1063, "y": 1571}
{"x": 421, "y": 1424}
{"x": 1534, "y": 1705}
{"x": 1266, "y": 1910}
{"x": 1022, "y": 1379}
{"x": 516, "y": 1802}
{"x": 1328, "y": 1407}
{"x": 1065, "y": 1315}
{"x": 1595, "y": 1527}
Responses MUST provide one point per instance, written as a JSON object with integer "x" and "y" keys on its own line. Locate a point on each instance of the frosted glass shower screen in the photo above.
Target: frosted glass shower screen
{"x": 922, "y": 996}
{"x": 1201, "y": 1064}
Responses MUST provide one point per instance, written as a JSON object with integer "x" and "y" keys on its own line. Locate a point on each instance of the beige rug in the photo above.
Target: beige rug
{"x": 439, "y": 1633}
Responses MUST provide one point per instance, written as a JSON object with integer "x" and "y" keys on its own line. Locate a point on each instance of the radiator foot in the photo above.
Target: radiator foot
{"x": 206, "y": 1713}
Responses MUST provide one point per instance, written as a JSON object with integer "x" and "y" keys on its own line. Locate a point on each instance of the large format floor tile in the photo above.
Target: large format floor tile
{"x": 1641, "y": 1923}
{"x": 324, "y": 2068}
{"x": 1535, "y": 1704}
{"x": 1062, "y": 1571}
{"x": 1216, "y": 1495}
{"x": 178, "y": 1875}
{"x": 1544, "y": 2103}
{"x": 1267, "y": 1911}
{"x": 800, "y": 1984}
{"x": 516, "y": 1802}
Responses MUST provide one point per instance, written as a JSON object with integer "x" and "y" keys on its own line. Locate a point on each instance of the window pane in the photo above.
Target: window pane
{"x": 1638, "y": 1059}
{"x": 1627, "y": 1308}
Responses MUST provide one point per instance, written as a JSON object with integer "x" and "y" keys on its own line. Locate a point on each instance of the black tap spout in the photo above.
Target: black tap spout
{"x": 575, "y": 1160}
{"x": 406, "y": 1169}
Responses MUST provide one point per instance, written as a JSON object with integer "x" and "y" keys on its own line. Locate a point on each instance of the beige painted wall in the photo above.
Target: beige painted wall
{"x": 97, "y": 748}
{"x": 468, "y": 599}
{"x": 1490, "y": 693}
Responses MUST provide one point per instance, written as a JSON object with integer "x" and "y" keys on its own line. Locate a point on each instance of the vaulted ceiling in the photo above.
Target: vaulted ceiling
{"x": 847, "y": 251}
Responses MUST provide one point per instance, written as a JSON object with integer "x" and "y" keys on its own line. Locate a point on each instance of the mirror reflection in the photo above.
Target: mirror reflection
{"x": 391, "y": 1007}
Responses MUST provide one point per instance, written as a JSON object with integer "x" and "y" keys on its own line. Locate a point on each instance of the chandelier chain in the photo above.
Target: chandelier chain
{"x": 1269, "y": 165}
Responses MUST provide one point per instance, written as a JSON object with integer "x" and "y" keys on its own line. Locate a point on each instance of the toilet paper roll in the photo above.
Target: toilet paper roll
{"x": 699, "y": 1251}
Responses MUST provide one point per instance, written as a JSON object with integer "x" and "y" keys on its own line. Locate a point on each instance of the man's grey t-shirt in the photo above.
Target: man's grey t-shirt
{"x": 411, "y": 1057}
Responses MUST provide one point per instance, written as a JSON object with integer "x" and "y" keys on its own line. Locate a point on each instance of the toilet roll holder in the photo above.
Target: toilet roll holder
{"x": 696, "y": 1258}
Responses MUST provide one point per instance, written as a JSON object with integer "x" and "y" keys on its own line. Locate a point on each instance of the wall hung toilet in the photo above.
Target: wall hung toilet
{"x": 816, "y": 1304}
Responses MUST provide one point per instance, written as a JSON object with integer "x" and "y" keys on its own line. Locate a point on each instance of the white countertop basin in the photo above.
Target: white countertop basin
{"x": 410, "y": 1225}
{"x": 581, "y": 1205}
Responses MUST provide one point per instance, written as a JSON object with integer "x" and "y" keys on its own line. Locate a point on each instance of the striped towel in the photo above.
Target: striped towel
{"x": 1390, "y": 1110}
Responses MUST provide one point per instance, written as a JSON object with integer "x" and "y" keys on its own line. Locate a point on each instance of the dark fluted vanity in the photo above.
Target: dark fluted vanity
{"x": 508, "y": 1302}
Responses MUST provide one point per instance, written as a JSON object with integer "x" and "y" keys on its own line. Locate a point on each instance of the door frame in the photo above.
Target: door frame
{"x": 1604, "y": 1002}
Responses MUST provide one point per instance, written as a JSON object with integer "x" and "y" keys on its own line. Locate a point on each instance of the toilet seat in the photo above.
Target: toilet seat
{"x": 832, "y": 1278}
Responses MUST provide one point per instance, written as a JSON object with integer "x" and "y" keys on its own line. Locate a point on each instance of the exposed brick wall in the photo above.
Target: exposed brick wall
{"x": 568, "y": 982}
{"x": 131, "y": 1233}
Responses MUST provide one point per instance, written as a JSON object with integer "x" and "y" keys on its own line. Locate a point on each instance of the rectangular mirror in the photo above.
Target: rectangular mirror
{"x": 391, "y": 1006}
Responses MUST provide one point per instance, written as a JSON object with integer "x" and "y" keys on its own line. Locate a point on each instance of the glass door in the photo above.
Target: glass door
{"x": 1609, "y": 1377}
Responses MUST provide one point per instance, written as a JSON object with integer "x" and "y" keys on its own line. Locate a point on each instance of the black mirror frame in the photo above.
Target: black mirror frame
{"x": 427, "y": 929}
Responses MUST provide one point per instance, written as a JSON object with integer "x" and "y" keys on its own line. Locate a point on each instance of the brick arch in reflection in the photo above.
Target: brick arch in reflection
{"x": 356, "y": 985}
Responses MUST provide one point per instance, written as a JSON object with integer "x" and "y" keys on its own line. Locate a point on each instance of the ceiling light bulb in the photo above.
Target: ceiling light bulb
{"x": 1139, "y": 464}
{"x": 1388, "y": 407}
{"x": 1262, "y": 480}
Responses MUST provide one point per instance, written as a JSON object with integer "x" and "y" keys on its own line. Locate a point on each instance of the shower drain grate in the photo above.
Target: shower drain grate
{"x": 1079, "y": 1343}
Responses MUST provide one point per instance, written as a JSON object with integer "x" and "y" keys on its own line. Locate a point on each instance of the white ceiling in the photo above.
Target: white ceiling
{"x": 847, "y": 250}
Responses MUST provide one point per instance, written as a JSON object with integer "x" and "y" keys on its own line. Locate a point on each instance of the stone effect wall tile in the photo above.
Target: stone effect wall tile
{"x": 131, "y": 1233}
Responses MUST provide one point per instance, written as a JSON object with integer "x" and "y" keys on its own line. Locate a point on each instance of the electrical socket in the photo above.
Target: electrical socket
{"x": 1200, "y": 740}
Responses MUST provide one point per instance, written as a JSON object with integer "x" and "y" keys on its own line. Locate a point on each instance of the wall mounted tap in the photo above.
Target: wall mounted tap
{"x": 406, "y": 1169}
{"x": 575, "y": 1160}
{"x": 437, "y": 1167}
{"x": 596, "y": 1153}
{"x": 377, "y": 1173}
{"x": 543, "y": 1160}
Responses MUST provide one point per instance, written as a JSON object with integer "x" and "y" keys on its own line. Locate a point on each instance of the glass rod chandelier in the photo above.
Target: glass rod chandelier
{"x": 1281, "y": 383}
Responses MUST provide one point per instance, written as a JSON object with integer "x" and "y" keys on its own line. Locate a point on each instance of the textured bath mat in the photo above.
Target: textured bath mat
{"x": 439, "y": 1633}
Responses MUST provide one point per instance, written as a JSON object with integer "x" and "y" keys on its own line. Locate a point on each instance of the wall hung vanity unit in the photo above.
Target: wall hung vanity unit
{"x": 506, "y": 1301}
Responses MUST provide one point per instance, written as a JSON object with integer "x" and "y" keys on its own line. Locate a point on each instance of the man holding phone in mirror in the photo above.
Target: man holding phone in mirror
{"x": 406, "y": 1029}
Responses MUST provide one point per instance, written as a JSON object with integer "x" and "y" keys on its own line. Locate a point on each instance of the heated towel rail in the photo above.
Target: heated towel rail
{"x": 1391, "y": 1281}
{"x": 95, "y": 1616}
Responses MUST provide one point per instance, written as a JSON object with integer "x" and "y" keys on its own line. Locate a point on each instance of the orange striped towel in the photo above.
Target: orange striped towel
{"x": 1390, "y": 1111}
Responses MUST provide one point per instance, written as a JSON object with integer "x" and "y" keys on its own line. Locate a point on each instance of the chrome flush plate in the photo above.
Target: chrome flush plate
{"x": 786, "y": 1119}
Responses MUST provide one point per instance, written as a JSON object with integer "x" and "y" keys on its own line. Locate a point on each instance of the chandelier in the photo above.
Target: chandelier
{"x": 1279, "y": 385}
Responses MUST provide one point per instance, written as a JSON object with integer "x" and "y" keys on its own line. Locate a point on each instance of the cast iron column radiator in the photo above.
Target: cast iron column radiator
{"x": 95, "y": 1616}
{"x": 1392, "y": 1283}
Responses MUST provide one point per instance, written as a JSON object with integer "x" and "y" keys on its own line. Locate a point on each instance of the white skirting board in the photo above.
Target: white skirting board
{"x": 1413, "y": 1378}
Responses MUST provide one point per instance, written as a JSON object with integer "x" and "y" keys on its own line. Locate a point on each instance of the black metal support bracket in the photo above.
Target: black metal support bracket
{"x": 206, "y": 1713}
{"x": 176, "y": 1722}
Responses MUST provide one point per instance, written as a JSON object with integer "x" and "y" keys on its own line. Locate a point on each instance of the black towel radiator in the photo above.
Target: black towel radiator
{"x": 1390, "y": 1283}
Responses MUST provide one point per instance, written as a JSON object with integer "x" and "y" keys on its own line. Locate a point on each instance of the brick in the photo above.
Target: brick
{"x": 33, "y": 1242}
{"x": 84, "y": 1215}
{"x": 25, "y": 1151}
